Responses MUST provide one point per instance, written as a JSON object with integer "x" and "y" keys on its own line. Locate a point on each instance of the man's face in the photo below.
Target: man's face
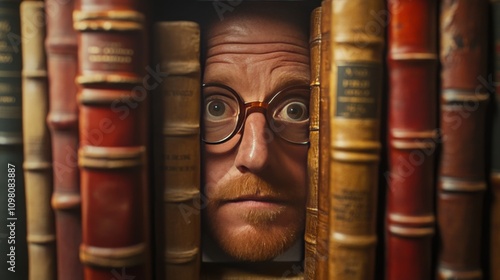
{"x": 255, "y": 183}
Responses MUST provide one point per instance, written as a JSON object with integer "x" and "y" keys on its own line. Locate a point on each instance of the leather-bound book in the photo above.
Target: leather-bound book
{"x": 311, "y": 230}
{"x": 13, "y": 248}
{"x": 61, "y": 49}
{"x": 177, "y": 52}
{"x": 461, "y": 176}
{"x": 37, "y": 147}
{"x": 357, "y": 43}
{"x": 412, "y": 138}
{"x": 113, "y": 133}
{"x": 323, "y": 230}
{"x": 495, "y": 150}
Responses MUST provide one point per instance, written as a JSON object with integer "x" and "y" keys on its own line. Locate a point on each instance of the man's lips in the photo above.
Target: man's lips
{"x": 255, "y": 198}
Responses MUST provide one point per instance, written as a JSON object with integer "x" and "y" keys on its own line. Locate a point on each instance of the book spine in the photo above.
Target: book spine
{"x": 61, "y": 49}
{"x": 495, "y": 149}
{"x": 112, "y": 135}
{"x": 13, "y": 245}
{"x": 322, "y": 236}
{"x": 177, "y": 51}
{"x": 357, "y": 41}
{"x": 412, "y": 138}
{"x": 313, "y": 152}
{"x": 461, "y": 175}
{"x": 36, "y": 137}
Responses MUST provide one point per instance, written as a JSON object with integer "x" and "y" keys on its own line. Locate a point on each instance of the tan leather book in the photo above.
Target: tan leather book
{"x": 113, "y": 133}
{"x": 462, "y": 175}
{"x": 412, "y": 63}
{"x": 313, "y": 153}
{"x": 323, "y": 230}
{"x": 37, "y": 147}
{"x": 61, "y": 49}
{"x": 357, "y": 43}
{"x": 177, "y": 52}
{"x": 257, "y": 271}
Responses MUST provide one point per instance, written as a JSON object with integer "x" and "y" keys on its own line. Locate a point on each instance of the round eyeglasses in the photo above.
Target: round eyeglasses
{"x": 224, "y": 113}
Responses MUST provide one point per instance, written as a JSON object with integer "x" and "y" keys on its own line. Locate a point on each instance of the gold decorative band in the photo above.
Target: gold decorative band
{"x": 424, "y": 134}
{"x": 355, "y": 157}
{"x": 181, "y": 130}
{"x": 37, "y": 165}
{"x": 411, "y": 232}
{"x": 356, "y": 145}
{"x": 171, "y": 196}
{"x": 354, "y": 240}
{"x": 107, "y": 25}
{"x": 66, "y": 201}
{"x": 108, "y": 79}
{"x": 449, "y": 184}
{"x": 412, "y": 145}
{"x": 111, "y": 157}
{"x": 178, "y": 257}
{"x": 118, "y": 15}
{"x": 413, "y": 56}
{"x": 447, "y": 274}
{"x": 423, "y": 220}
{"x": 10, "y": 138}
{"x": 113, "y": 257}
{"x": 450, "y": 95}
{"x": 40, "y": 238}
{"x": 10, "y": 74}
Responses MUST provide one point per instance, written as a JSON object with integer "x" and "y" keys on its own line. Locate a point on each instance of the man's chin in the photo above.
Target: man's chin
{"x": 254, "y": 242}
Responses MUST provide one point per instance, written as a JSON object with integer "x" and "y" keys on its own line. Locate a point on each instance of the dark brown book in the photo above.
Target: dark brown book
{"x": 356, "y": 47}
{"x": 36, "y": 137}
{"x": 412, "y": 139}
{"x": 311, "y": 230}
{"x": 61, "y": 49}
{"x": 113, "y": 133}
{"x": 323, "y": 230}
{"x": 461, "y": 176}
{"x": 495, "y": 149}
{"x": 177, "y": 52}
{"x": 13, "y": 247}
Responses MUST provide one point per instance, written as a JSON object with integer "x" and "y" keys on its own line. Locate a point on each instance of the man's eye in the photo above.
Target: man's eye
{"x": 216, "y": 108}
{"x": 294, "y": 111}
{"x": 219, "y": 108}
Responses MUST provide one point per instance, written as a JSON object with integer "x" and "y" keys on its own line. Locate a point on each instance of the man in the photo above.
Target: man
{"x": 255, "y": 140}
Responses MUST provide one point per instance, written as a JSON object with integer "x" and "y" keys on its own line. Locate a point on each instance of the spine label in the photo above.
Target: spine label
{"x": 358, "y": 91}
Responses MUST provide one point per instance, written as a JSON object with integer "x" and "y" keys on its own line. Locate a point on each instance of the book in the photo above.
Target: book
{"x": 461, "y": 174}
{"x": 112, "y": 155}
{"x": 13, "y": 244}
{"x": 322, "y": 248}
{"x": 61, "y": 50}
{"x": 177, "y": 52}
{"x": 356, "y": 51}
{"x": 412, "y": 62}
{"x": 495, "y": 148}
{"x": 311, "y": 229}
{"x": 37, "y": 147}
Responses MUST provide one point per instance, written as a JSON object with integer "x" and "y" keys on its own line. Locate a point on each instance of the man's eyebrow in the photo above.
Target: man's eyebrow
{"x": 290, "y": 79}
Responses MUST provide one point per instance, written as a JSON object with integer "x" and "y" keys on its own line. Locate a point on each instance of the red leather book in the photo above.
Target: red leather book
{"x": 61, "y": 49}
{"x": 412, "y": 138}
{"x": 112, "y": 125}
{"x": 461, "y": 180}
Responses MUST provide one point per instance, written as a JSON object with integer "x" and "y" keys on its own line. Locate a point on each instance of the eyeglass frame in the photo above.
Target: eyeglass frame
{"x": 246, "y": 108}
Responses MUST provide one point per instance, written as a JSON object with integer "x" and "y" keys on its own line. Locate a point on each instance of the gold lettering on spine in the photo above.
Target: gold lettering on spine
{"x": 110, "y": 54}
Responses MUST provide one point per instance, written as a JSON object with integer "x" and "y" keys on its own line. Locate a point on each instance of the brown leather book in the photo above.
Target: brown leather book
{"x": 61, "y": 49}
{"x": 494, "y": 248}
{"x": 177, "y": 52}
{"x": 412, "y": 139}
{"x": 36, "y": 137}
{"x": 113, "y": 133}
{"x": 357, "y": 43}
{"x": 257, "y": 271}
{"x": 321, "y": 270}
{"x": 461, "y": 178}
{"x": 13, "y": 259}
{"x": 313, "y": 153}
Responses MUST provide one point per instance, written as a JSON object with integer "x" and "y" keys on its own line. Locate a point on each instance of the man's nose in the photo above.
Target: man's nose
{"x": 253, "y": 151}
